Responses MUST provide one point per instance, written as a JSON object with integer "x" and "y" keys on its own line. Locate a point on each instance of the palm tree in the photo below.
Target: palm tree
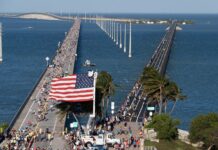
{"x": 173, "y": 93}
{"x": 155, "y": 87}
{"x": 149, "y": 72}
{"x": 106, "y": 88}
{"x": 160, "y": 88}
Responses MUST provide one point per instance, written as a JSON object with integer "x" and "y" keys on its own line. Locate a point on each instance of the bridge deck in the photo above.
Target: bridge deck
{"x": 136, "y": 102}
{"x": 36, "y": 105}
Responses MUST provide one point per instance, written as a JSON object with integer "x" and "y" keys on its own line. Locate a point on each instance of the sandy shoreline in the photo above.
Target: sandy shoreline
{"x": 38, "y": 16}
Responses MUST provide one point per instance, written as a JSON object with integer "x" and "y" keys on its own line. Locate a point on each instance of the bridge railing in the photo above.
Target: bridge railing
{"x": 16, "y": 116}
{"x": 159, "y": 51}
{"x": 24, "y": 103}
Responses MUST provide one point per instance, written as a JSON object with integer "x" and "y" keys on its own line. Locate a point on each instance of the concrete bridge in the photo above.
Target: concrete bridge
{"x": 36, "y": 106}
{"x": 159, "y": 60}
{"x": 41, "y": 16}
{"x": 50, "y": 16}
{"x": 94, "y": 18}
{"x": 137, "y": 102}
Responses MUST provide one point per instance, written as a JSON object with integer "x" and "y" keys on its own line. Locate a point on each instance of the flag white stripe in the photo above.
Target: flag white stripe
{"x": 63, "y": 86}
{"x": 63, "y": 82}
{"x": 71, "y": 90}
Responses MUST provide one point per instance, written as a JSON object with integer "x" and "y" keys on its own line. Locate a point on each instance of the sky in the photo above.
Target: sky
{"x": 110, "y": 6}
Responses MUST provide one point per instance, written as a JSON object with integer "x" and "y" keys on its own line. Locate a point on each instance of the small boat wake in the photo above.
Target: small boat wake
{"x": 27, "y": 28}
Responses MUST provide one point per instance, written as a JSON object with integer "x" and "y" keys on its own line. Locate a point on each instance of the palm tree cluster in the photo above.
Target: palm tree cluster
{"x": 159, "y": 89}
{"x": 105, "y": 88}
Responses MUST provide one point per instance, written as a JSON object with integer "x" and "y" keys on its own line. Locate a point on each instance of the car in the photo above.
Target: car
{"x": 97, "y": 147}
{"x": 100, "y": 139}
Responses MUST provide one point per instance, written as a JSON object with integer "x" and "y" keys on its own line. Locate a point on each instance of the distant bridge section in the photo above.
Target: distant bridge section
{"x": 137, "y": 102}
{"x": 41, "y": 16}
{"x": 161, "y": 55}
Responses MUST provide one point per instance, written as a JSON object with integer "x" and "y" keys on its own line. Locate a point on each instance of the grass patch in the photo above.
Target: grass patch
{"x": 170, "y": 145}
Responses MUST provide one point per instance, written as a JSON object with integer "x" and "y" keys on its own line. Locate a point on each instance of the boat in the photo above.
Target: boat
{"x": 88, "y": 63}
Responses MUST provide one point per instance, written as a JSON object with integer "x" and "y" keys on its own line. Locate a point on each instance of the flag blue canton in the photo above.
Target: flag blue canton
{"x": 83, "y": 81}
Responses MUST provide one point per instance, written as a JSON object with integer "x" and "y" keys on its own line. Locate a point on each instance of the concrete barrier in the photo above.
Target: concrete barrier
{"x": 183, "y": 135}
{"x": 24, "y": 103}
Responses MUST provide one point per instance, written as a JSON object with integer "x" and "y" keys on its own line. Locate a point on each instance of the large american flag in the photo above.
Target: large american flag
{"x": 72, "y": 88}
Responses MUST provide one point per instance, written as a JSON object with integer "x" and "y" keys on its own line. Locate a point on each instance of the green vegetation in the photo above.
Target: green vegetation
{"x": 165, "y": 126}
{"x": 105, "y": 88}
{"x": 205, "y": 128}
{"x": 159, "y": 89}
{"x": 3, "y": 126}
{"x": 170, "y": 145}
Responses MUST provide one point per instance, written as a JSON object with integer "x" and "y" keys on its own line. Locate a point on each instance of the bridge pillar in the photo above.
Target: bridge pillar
{"x": 120, "y": 35}
{"x": 124, "y": 39}
{"x": 111, "y": 29}
{"x": 114, "y": 31}
{"x": 117, "y": 40}
{"x": 0, "y": 42}
{"x": 130, "y": 40}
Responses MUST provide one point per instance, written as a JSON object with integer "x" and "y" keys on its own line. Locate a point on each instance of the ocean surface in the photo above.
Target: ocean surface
{"x": 193, "y": 62}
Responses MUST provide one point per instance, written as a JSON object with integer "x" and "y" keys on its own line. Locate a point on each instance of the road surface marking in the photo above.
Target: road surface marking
{"x": 27, "y": 115}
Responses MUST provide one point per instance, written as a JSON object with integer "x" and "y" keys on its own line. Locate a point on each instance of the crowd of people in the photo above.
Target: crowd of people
{"x": 30, "y": 132}
{"x": 129, "y": 105}
{"x": 128, "y": 135}
{"x": 117, "y": 124}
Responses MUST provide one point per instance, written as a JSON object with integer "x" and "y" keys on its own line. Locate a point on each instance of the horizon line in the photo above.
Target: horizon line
{"x": 166, "y": 13}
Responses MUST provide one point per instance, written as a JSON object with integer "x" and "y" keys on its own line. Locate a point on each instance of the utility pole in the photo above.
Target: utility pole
{"x": 114, "y": 31}
{"x": 117, "y": 41}
{"x": 1, "y": 43}
{"x": 130, "y": 40}
{"x": 120, "y": 35}
{"x": 124, "y": 40}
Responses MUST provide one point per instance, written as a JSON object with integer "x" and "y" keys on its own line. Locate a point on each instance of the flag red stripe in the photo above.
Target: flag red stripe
{"x": 67, "y": 88}
{"x": 82, "y": 96}
{"x": 63, "y": 79}
{"x": 56, "y": 98}
{"x": 81, "y": 100}
{"x": 73, "y": 91}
